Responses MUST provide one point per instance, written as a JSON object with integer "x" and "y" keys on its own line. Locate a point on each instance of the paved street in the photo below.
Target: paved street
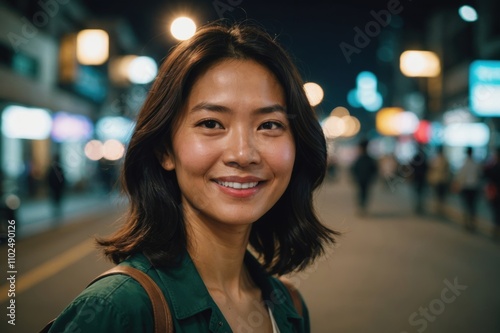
{"x": 391, "y": 272}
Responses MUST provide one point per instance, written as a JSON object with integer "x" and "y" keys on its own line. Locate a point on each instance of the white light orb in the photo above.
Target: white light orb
{"x": 467, "y": 13}
{"x": 142, "y": 70}
{"x": 183, "y": 28}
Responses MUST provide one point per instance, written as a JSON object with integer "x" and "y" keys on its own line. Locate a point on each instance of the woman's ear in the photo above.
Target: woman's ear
{"x": 166, "y": 160}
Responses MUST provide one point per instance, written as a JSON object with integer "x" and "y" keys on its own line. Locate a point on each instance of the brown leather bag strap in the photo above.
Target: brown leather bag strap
{"x": 294, "y": 293}
{"x": 161, "y": 312}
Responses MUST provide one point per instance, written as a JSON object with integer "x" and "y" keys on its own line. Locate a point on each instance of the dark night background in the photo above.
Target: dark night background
{"x": 311, "y": 31}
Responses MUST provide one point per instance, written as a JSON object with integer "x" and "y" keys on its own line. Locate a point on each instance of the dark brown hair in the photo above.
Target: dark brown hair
{"x": 289, "y": 236}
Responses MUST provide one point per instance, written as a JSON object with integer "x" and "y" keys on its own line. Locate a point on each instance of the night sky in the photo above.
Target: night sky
{"x": 312, "y": 31}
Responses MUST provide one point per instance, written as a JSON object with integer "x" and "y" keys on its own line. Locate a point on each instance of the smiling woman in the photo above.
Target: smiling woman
{"x": 232, "y": 150}
{"x": 220, "y": 172}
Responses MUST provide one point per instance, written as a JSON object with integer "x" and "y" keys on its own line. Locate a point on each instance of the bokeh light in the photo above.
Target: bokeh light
{"x": 142, "y": 70}
{"x": 92, "y": 47}
{"x": 114, "y": 127}
{"x": 352, "y": 126}
{"x": 183, "y": 28}
{"x": 419, "y": 64}
{"x": 333, "y": 127}
{"x": 340, "y": 124}
{"x": 94, "y": 150}
{"x": 71, "y": 127}
{"x": 113, "y": 150}
{"x": 366, "y": 94}
{"x": 314, "y": 93}
{"x": 407, "y": 122}
{"x": 467, "y": 13}
{"x": 340, "y": 112}
{"x": 26, "y": 123}
{"x": 386, "y": 121}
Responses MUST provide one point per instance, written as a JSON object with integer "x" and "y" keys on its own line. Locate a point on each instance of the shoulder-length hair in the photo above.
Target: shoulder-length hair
{"x": 289, "y": 236}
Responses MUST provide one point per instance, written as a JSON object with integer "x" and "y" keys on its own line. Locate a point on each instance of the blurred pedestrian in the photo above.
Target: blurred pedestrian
{"x": 364, "y": 171}
{"x": 224, "y": 158}
{"x": 467, "y": 182}
{"x": 419, "y": 167}
{"x": 56, "y": 181}
{"x": 388, "y": 167}
{"x": 438, "y": 177}
{"x": 492, "y": 175}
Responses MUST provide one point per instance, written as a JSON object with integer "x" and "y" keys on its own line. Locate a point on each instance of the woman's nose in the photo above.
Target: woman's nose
{"x": 242, "y": 148}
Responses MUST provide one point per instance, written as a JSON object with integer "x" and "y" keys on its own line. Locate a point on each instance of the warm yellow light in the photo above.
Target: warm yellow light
{"x": 333, "y": 127}
{"x": 118, "y": 69}
{"x": 352, "y": 126}
{"x": 386, "y": 121}
{"x": 314, "y": 93}
{"x": 183, "y": 28}
{"x": 340, "y": 112}
{"x": 419, "y": 64}
{"x": 92, "y": 47}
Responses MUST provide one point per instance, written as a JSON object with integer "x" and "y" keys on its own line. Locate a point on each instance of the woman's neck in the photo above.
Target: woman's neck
{"x": 218, "y": 251}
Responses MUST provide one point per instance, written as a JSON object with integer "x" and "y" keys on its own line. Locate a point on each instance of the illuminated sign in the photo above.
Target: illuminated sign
{"x": 71, "y": 127}
{"x": 478, "y": 135}
{"x": 484, "y": 88}
{"x": 118, "y": 128}
{"x": 26, "y": 123}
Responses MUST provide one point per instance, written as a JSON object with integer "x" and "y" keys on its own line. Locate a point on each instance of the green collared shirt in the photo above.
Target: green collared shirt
{"x": 118, "y": 303}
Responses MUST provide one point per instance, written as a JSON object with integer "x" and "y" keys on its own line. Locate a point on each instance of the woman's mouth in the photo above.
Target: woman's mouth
{"x": 237, "y": 185}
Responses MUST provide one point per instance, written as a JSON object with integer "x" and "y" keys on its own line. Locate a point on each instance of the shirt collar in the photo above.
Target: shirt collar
{"x": 189, "y": 296}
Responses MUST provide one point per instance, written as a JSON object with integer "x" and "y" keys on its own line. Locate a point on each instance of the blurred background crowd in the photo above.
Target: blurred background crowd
{"x": 414, "y": 87}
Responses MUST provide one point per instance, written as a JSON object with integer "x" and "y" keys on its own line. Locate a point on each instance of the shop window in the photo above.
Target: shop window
{"x": 18, "y": 62}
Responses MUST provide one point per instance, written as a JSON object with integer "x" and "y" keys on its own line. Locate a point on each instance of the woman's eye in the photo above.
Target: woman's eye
{"x": 271, "y": 125}
{"x": 212, "y": 124}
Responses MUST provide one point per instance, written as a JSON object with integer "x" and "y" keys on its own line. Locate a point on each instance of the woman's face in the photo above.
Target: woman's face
{"x": 233, "y": 149}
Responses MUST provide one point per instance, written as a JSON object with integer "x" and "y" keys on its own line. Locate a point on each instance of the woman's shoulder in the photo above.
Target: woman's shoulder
{"x": 114, "y": 288}
{"x": 111, "y": 304}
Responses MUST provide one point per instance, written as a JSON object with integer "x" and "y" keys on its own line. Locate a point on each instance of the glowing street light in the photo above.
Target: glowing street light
{"x": 314, "y": 93}
{"x": 132, "y": 69}
{"x": 92, "y": 47}
{"x": 467, "y": 13}
{"x": 142, "y": 70}
{"x": 420, "y": 64}
{"x": 183, "y": 28}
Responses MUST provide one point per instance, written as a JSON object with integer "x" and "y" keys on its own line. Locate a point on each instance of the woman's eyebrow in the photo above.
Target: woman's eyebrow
{"x": 272, "y": 108}
{"x": 210, "y": 107}
{"x": 223, "y": 109}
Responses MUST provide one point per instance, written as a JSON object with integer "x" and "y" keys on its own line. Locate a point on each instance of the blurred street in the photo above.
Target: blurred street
{"x": 406, "y": 92}
{"x": 390, "y": 272}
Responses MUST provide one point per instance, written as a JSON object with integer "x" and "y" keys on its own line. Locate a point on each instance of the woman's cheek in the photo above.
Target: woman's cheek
{"x": 197, "y": 155}
{"x": 283, "y": 156}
